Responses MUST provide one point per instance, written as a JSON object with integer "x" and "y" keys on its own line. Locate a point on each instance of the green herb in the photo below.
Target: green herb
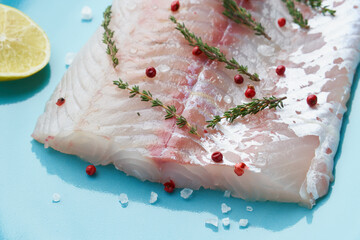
{"x": 108, "y": 35}
{"x": 317, "y": 5}
{"x": 146, "y": 96}
{"x": 212, "y": 53}
{"x": 242, "y": 16}
{"x": 252, "y": 107}
{"x": 296, "y": 14}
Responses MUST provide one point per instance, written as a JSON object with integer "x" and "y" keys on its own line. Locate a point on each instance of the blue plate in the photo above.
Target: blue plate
{"x": 89, "y": 206}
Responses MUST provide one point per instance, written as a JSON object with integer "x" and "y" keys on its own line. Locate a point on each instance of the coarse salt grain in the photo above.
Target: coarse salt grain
{"x": 56, "y": 197}
{"x": 225, "y": 222}
{"x": 227, "y": 99}
{"x": 243, "y": 222}
{"x": 123, "y": 199}
{"x": 227, "y": 193}
{"x": 133, "y": 50}
{"x": 163, "y": 68}
{"x": 131, "y": 6}
{"x": 86, "y": 13}
{"x": 69, "y": 58}
{"x": 225, "y": 208}
{"x": 153, "y": 197}
{"x": 186, "y": 193}
{"x": 212, "y": 221}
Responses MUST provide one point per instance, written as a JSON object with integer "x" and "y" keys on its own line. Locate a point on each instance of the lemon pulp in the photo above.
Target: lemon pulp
{"x": 24, "y": 46}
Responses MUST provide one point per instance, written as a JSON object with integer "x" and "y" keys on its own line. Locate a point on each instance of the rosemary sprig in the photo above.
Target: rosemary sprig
{"x": 298, "y": 18}
{"x": 146, "y": 96}
{"x": 252, "y": 107}
{"x": 212, "y": 53}
{"x": 242, "y": 16}
{"x": 108, "y": 35}
{"x": 317, "y": 5}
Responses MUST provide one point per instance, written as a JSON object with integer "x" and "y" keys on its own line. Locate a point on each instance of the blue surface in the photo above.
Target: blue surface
{"x": 89, "y": 207}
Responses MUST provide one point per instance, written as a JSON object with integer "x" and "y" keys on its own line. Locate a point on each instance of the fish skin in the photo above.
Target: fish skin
{"x": 287, "y": 150}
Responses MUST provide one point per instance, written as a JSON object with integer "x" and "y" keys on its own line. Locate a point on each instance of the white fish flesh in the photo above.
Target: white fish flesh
{"x": 289, "y": 152}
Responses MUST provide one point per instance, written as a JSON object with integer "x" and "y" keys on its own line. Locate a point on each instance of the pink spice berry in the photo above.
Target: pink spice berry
{"x": 250, "y": 92}
{"x": 280, "y": 70}
{"x": 239, "y": 168}
{"x": 60, "y": 101}
{"x": 196, "y": 51}
{"x": 281, "y": 22}
{"x": 150, "y": 72}
{"x": 311, "y": 100}
{"x": 169, "y": 186}
{"x": 90, "y": 170}
{"x": 238, "y": 79}
{"x": 217, "y": 157}
{"x": 175, "y": 5}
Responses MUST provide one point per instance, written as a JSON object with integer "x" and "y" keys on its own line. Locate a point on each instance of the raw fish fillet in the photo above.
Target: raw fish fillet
{"x": 289, "y": 151}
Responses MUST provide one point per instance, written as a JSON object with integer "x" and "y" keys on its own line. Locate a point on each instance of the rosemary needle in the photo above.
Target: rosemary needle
{"x": 253, "y": 107}
{"x": 108, "y": 34}
{"x": 147, "y": 97}
{"x": 298, "y": 18}
{"x": 212, "y": 53}
{"x": 242, "y": 16}
{"x": 317, "y": 5}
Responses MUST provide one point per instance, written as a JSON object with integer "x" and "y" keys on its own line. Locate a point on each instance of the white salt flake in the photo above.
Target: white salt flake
{"x": 86, "y": 13}
{"x": 123, "y": 199}
{"x": 266, "y": 50}
{"x": 243, "y": 222}
{"x": 69, "y": 58}
{"x": 227, "y": 193}
{"x": 163, "y": 68}
{"x": 131, "y": 6}
{"x": 133, "y": 50}
{"x": 225, "y": 222}
{"x": 212, "y": 221}
{"x": 56, "y": 197}
{"x": 186, "y": 193}
{"x": 225, "y": 208}
{"x": 227, "y": 99}
{"x": 249, "y": 208}
{"x": 153, "y": 197}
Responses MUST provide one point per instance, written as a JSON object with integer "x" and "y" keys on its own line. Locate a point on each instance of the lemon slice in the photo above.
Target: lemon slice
{"x": 24, "y": 46}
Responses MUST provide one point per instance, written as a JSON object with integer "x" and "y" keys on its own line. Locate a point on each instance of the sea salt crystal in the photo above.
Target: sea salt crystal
{"x": 186, "y": 193}
{"x": 243, "y": 222}
{"x": 227, "y": 193}
{"x": 133, "y": 50}
{"x": 131, "y": 6}
{"x": 56, "y": 197}
{"x": 69, "y": 58}
{"x": 249, "y": 208}
{"x": 153, "y": 197}
{"x": 86, "y": 13}
{"x": 123, "y": 199}
{"x": 225, "y": 222}
{"x": 227, "y": 99}
{"x": 163, "y": 68}
{"x": 266, "y": 50}
{"x": 212, "y": 221}
{"x": 225, "y": 208}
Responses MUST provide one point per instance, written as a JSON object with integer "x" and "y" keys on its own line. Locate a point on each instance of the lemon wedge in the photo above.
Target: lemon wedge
{"x": 24, "y": 46}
